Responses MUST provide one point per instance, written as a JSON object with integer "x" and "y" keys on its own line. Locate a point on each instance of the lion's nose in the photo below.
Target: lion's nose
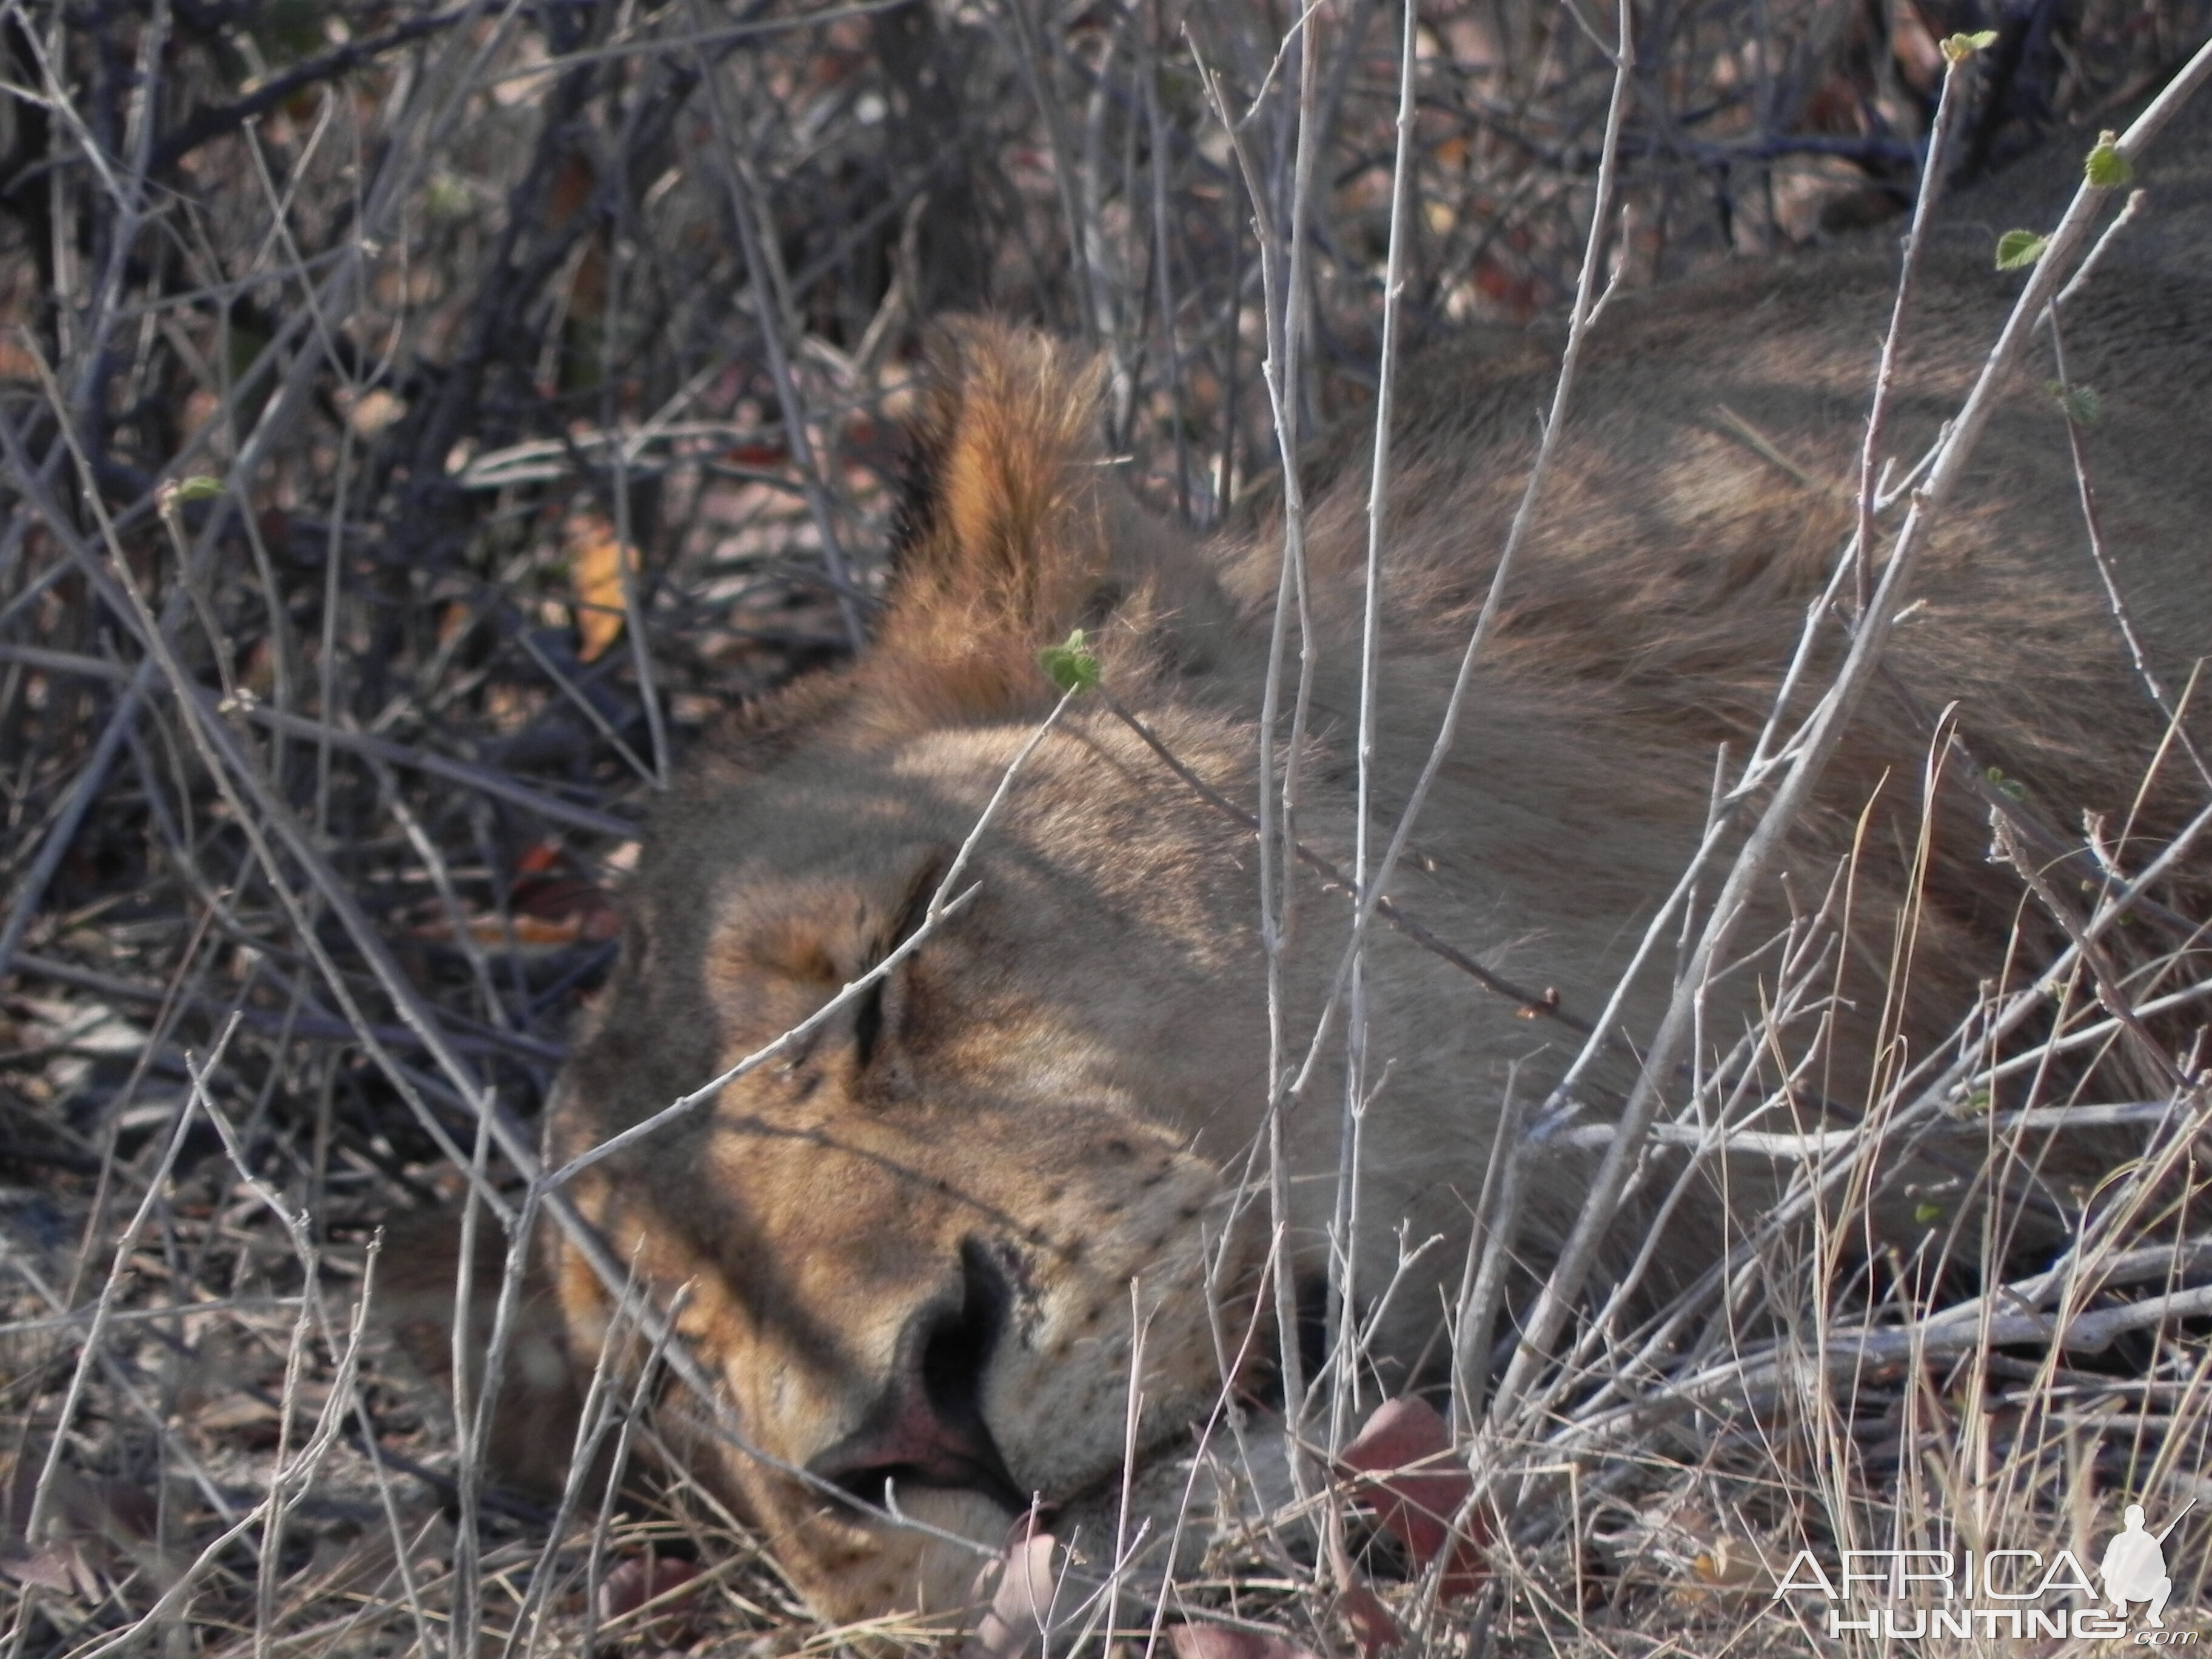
{"x": 926, "y": 1429}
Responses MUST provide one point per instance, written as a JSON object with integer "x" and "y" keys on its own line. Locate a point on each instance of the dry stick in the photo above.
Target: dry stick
{"x": 1133, "y": 1413}
{"x": 575, "y": 693}
{"x": 592, "y": 1422}
{"x": 1884, "y": 379}
{"x": 130, "y": 191}
{"x": 1764, "y": 1142}
{"x": 316, "y": 1026}
{"x": 1496, "y": 1221}
{"x": 654, "y": 46}
{"x": 482, "y": 779}
{"x": 1579, "y": 1256}
{"x": 2014, "y": 1125}
{"x": 610, "y": 1495}
{"x": 768, "y": 311}
{"x": 61, "y": 834}
{"x": 624, "y": 454}
{"x": 309, "y": 1314}
{"x": 1533, "y": 1004}
{"x": 1287, "y": 401}
{"x": 1344, "y": 1258}
{"x": 2087, "y": 1036}
{"x": 1030, "y": 55}
{"x": 401, "y": 1552}
{"x": 1940, "y": 1084}
{"x": 232, "y": 770}
{"x": 471, "y": 1428}
{"x": 33, "y": 1521}
{"x": 1587, "y": 301}
{"x": 2102, "y": 970}
{"x": 1278, "y": 323}
{"x": 1164, "y": 265}
{"x": 1106, "y": 284}
{"x": 1228, "y": 1368}
{"x": 1757, "y": 1378}
{"x": 299, "y": 1474}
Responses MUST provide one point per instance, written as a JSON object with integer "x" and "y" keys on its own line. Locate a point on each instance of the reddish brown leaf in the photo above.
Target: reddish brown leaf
{"x": 1417, "y": 1485}
{"x": 546, "y": 891}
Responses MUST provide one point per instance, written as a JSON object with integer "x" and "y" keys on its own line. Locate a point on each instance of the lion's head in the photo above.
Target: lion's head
{"x": 917, "y": 1249}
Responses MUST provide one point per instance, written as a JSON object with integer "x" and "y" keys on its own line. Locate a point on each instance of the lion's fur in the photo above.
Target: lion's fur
{"x": 1046, "y": 1098}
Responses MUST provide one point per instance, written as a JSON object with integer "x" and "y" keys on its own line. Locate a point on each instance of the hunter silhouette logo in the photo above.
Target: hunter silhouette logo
{"x": 2134, "y": 1567}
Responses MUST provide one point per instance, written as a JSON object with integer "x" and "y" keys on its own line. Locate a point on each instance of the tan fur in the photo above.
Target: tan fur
{"x": 1048, "y": 1095}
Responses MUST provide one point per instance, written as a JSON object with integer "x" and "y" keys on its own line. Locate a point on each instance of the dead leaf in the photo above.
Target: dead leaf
{"x": 256, "y": 1422}
{"x": 547, "y": 892}
{"x": 372, "y": 411}
{"x": 597, "y": 562}
{"x": 548, "y": 907}
{"x": 60, "y": 1567}
{"x": 1417, "y": 1485}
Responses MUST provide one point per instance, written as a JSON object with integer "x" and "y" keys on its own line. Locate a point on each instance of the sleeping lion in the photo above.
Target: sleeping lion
{"x": 915, "y": 1246}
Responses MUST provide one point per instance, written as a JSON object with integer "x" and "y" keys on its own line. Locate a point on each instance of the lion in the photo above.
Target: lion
{"x": 916, "y": 1251}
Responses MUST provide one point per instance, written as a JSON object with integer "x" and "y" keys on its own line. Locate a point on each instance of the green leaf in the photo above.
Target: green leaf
{"x": 2107, "y": 167}
{"x": 1924, "y": 1213}
{"x": 1980, "y": 1101}
{"x": 1958, "y": 48}
{"x": 2079, "y": 403}
{"x": 200, "y": 488}
{"x": 1073, "y": 666}
{"x": 2018, "y": 249}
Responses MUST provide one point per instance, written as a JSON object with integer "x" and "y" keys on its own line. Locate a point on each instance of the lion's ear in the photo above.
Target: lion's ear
{"x": 1006, "y": 522}
{"x": 1014, "y": 531}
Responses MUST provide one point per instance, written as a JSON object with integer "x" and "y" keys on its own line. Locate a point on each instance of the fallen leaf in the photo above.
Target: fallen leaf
{"x": 1418, "y": 1484}
{"x": 59, "y": 1567}
{"x": 546, "y": 891}
{"x": 597, "y": 562}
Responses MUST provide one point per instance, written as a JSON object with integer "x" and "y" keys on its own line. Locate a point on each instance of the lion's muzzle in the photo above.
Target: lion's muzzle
{"x": 927, "y": 1427}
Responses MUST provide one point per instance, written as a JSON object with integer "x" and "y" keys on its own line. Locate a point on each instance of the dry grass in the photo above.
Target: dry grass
{"x": 545, "y": 365}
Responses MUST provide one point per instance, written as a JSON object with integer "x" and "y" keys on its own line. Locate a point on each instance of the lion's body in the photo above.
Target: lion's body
{"x": 910, "y": 1248}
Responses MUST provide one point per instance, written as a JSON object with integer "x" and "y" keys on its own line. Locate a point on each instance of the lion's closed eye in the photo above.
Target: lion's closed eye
{"x": 818, "y": 942}
{"x": 878, "y": 1018}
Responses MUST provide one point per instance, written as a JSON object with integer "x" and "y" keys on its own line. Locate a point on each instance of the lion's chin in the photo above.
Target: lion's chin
{"x": 931, "y": 1569}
